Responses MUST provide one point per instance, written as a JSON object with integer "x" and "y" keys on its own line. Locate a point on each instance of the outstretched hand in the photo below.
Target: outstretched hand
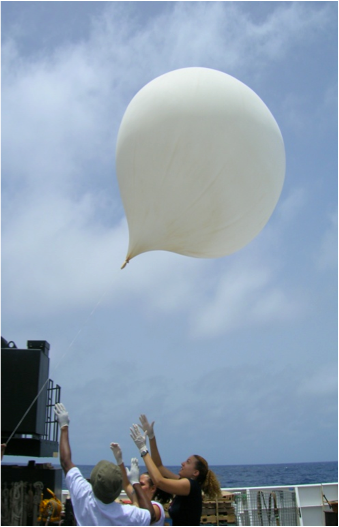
{"x": 115, "y": 447}
{"x": 61, "y": 415}
{"x": 146, "y": 426}
{"x": 133, "y": 473}
{"x": 138, "y": 438}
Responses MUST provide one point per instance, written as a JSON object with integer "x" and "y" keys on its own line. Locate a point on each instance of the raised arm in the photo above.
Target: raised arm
{"x": 143, "y": 500}
{"x": 65, "y": 449}
{"x": 128, "y": 488}
{"x": 149, "y": 429}
{"x": 179, "y": 486}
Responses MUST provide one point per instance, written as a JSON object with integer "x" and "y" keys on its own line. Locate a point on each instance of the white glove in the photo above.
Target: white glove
{"x": 146, "y": 426}
{"x": 133, "y": 474}
{"x": 61, "y": 415}
{"x": 115, "y": 447}
{"x": 138, "y": 439}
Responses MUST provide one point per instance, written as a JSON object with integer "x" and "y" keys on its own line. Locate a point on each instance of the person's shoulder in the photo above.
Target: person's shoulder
{"x": 76, "y": 482}
{"x": 160, "y": 505}
{"x": 161, "y": 511}
{"x": 73, "y": 472}
{"x": 132, "y": 512}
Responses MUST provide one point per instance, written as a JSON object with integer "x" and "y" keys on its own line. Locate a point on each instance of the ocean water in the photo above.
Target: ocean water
{"x": 234, "y": 476}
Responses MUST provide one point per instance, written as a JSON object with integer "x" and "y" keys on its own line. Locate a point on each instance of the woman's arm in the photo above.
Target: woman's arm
{"x": 158, "y": 462}
{"x": 179, "y": 486}
{"x": 173, "y": 486}
{"x": 149, "y": 428}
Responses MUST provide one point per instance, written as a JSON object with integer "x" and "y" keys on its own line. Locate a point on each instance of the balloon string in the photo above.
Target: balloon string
{"x": 82, "y": 327}
{"x": 67, "y": 350}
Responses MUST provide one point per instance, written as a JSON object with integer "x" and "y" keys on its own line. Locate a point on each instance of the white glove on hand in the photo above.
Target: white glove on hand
{"x": 133, "y": 474}
{"x": 138, "y": 439}
{"x": 115, "y": 447}
{"x": 61, "y": 415}
{"x": 146, "y": 426}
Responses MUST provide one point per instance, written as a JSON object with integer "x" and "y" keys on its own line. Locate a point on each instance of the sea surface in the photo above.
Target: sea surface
{"x": 235, "y": 476}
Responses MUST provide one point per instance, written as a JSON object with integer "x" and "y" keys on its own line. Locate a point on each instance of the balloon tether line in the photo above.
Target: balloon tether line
{"x": 28, "y": 409}
{"x": 69, "y": 346}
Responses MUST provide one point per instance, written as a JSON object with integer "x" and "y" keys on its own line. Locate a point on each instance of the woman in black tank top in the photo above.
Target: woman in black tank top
{"x": 186, "y": 510}
{"x": 193, "y": 478}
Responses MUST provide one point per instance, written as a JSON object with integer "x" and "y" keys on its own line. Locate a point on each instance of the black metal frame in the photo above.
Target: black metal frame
{"x": 51, "y": 425}
{"x": 39, "y": 445}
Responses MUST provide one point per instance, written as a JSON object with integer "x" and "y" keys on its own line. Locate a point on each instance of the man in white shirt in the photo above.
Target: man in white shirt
{"x": 94, "y": 503}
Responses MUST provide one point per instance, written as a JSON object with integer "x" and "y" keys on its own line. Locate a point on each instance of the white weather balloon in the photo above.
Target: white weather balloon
{"x": 200, "y": 163}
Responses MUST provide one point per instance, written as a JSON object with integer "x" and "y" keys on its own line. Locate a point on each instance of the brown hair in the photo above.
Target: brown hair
{"x": 151, "y": 484}
{"x": 159, "y": 495}
{"x": 207, "y": 479}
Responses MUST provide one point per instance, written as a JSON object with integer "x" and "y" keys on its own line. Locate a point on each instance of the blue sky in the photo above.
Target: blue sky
{"x": 235, "y": 358}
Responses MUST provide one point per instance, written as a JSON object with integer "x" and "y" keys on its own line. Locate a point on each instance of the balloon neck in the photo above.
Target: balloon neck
{"x": 125, "y": 263}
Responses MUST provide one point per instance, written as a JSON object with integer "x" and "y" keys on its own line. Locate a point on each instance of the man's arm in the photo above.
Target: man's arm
{"x": 65, "y": 449}
{"x": 144, "y": 501}
{"x": 128, "y": 488}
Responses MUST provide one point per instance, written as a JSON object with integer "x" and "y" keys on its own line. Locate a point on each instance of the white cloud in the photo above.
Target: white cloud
{"x": 60, "y": 251}
{"x": 53, "y": 115}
